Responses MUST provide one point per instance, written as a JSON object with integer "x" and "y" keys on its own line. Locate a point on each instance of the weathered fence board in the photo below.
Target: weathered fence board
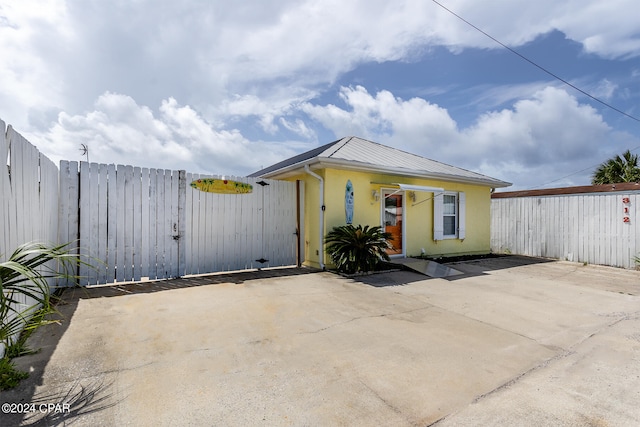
{"x": 576, "y": 227}
{"x": 28, "y": 199}
{"x": 148, "y": 223}
{"x": 233, "y": 231}
{"x": 117, "y": 226}
{"x": 29, "y": 190}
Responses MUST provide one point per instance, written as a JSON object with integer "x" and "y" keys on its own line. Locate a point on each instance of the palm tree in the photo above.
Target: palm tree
{"x": 618, "y": 169}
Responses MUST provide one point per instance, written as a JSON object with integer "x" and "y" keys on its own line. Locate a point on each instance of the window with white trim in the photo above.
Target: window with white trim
{"x": 449, "y": 215}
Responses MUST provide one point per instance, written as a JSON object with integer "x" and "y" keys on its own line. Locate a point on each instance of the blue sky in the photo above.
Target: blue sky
{"x": 224, "y": 88}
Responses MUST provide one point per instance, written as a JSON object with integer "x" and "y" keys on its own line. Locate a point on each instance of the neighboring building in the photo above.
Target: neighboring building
{"x": 429, "y": 207}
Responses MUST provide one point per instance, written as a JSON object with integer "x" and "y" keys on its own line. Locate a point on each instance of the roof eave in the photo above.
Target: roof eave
{"x": 320, "y": 163}
{"x": 291, "y": 170}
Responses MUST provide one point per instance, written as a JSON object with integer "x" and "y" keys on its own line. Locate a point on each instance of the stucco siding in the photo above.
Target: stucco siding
{"x": 418, "y": 213}
{"x": 367, "y": 211}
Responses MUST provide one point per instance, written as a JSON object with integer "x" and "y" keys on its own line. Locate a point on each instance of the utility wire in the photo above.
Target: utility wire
{"x": 574, "y": 173}
{"x": 566, "y": 176}
{"x": 555, "y": 76}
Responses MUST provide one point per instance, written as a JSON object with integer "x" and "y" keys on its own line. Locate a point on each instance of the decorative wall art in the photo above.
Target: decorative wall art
{"x": 222, "y": 186}
{"x": 348, "y": 202}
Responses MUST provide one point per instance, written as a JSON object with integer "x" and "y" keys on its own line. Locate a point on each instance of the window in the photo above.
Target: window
{"x": 449, "y": 216}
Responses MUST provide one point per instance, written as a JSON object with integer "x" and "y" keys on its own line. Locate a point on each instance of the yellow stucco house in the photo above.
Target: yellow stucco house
{"x": 429, "y": 207}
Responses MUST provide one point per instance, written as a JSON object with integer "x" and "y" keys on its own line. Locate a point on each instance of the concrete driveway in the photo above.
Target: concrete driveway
{"x": 513, "y": 341}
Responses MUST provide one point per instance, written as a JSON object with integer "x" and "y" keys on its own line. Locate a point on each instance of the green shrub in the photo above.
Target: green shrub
{"x": 25, "y": 296}
{"x": 9, "y": 375}
{"x": 357, "y": 249}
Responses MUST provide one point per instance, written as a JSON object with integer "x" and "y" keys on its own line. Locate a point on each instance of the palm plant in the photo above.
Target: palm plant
{"x": 618, "y": 169}
{"x": 24, "y": 286}
{"x": 357, "y": 249}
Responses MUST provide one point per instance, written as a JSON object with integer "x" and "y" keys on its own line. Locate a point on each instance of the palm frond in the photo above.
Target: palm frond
{"x": 24, "y": 283}
{"x": 618, "y": 169}
{"x": 357, "y": 249}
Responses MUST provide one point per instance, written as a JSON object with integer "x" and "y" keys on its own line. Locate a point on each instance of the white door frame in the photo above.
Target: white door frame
{"x": 384, "y": 193}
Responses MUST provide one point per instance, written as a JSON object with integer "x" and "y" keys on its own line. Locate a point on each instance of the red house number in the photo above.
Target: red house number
{"x": 625, "y": 218}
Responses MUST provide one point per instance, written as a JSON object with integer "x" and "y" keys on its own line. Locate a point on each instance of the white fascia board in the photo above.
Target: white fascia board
{"x": 368, "y": 167}
{"x": 319, "y": 163}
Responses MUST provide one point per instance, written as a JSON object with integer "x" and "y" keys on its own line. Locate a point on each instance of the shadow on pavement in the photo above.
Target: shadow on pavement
{"x": 480, "y": 266}
{"x": 391, "y": 278}
{"x": 189, "y": 281}
{"x": 469, "y": 265}
{"x": 43, "y": 342}
{"x": 68, "y": 402}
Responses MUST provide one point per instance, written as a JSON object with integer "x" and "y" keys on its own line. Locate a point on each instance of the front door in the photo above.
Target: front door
{"x": 392, "y": 220}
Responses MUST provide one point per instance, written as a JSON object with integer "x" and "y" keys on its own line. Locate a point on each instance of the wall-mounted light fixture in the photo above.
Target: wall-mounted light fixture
{"x": 375, "y": 195}
{"x": 412, "y": 196}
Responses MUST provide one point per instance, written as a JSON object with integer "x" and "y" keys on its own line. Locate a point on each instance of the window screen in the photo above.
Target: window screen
{"x": 449, "y": 214}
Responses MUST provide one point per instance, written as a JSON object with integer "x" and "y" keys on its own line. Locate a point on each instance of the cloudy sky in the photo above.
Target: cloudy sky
{"x": 226, "y": 87}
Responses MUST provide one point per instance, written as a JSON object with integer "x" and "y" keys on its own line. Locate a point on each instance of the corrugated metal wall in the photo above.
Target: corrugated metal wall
{"x": 597, "y": 228}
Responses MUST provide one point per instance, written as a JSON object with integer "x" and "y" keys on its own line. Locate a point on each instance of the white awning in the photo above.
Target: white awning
{"x": 408, "y": 187}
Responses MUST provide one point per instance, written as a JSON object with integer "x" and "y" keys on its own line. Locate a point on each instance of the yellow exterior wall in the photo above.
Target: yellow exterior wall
{"x": 311, "y": 218}
{"x": 418, "y": 214}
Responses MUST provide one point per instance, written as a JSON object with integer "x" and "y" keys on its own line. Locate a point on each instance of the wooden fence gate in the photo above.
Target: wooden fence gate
{"x": 141, "y": 223}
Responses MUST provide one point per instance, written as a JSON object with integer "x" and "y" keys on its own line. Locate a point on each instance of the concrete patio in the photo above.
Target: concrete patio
{"x": 512, "y": 341}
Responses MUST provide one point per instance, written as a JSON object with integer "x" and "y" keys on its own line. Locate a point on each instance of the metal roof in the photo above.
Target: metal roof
{"x": 360, "y": 154}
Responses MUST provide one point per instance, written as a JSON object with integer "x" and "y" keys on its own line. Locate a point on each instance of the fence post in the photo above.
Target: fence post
{"x": 182, "y": 221}
{"x": 68, "y": 216}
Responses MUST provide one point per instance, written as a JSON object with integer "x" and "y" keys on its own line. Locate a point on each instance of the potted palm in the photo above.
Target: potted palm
{"x": 357, "y": 249}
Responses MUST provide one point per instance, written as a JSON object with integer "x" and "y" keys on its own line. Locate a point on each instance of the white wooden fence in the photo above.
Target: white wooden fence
{"x": 29, "y": 189}
{"x": 28, "y": 196}
{"x": 597, "y": 228}
{"x": 235, "y": 231}
{"x": 139, "y": 222}
{"x": 150, "y": 223}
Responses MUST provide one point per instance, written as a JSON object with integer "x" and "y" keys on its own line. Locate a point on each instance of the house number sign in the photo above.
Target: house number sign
{"x": 626, "y": 201}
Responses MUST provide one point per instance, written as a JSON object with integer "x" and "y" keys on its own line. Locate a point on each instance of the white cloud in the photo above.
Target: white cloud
{"x": 173, "y": 83}
{"x": 30, "y": 83}
{"x": 120, "y": 131}
{"x": 298, "y": 127}
{"x": 549, "y": 127}
{"x": 64, "y": 54}
{"x": 549, "y": 134}
{"x": 487, "y": 97}
{"x": 608, "y": 29}
{"x": 383, "y": 115}
{"x": 604, "y": 89}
